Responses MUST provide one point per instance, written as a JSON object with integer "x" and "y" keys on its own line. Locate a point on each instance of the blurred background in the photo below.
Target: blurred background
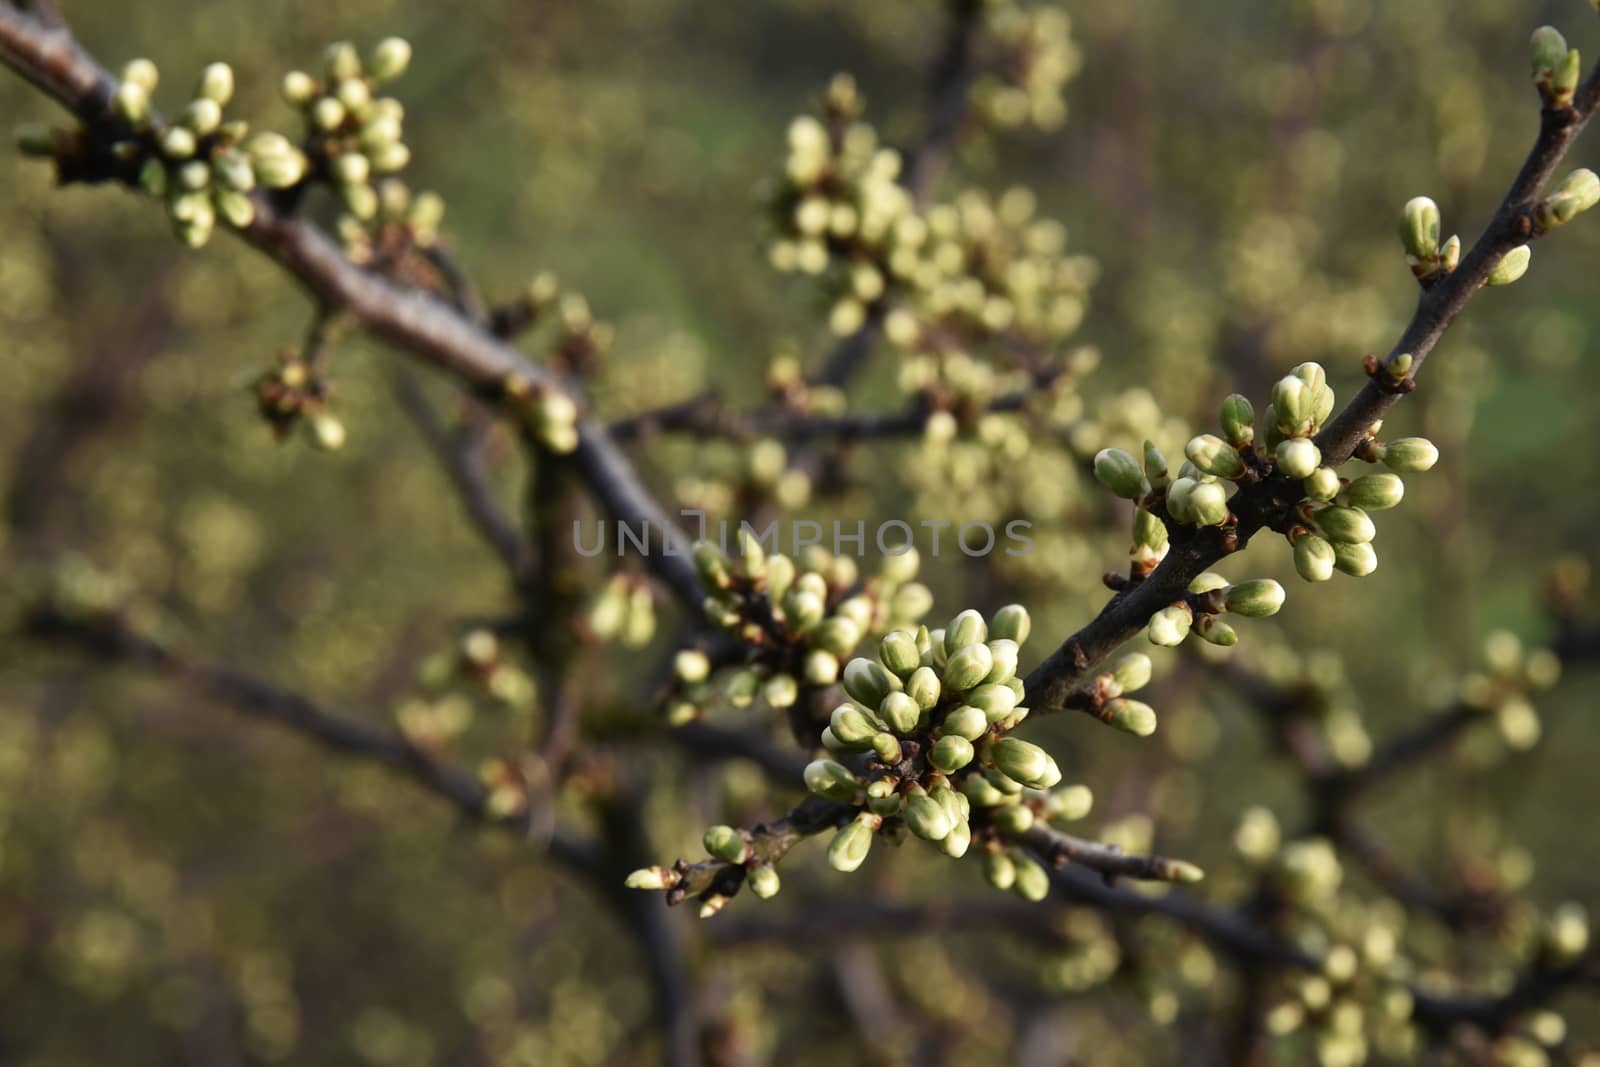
{"x": 181, "y": 886}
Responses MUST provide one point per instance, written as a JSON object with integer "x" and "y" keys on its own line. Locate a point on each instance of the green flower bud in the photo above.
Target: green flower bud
{"x": 1564, "y": 79}
{"x": 390, "y": 59}
{"x": 980, "y": 791}
{"x": 923, "y": 687}
{"x": 1358, "y": 560}
{"x": 999, "y": 870}
{"x": 1013, "y": 819}
{"x": 153, "y": 177}
{"x": 132, "y": 102}
{"x": 1011, "y": 623}
{"x": 834, "y": 781}
{"x": 1208, "y": 503}
{"x": 1180, "y": 497}
{"x": 887, "y": 748}
{"x": 951, "y": 753}
{"x": 849, "y": 847}
{"x": 955, "y": 805}
{"x": 1375, "y": 492}
{"x": 1419, "y": 228}
{"x": 997, "y": 778}
{"x": 203, "y": 116}
{"x": 899, "y": 653}
{"x": 142, "y": 73}
{"x": 1255, "y": 599}
{"x": 1313, "y": 558}
{"x": 1579, "y": 192}
{"x": 868, "y": 681}
{"x": 236, "y": 207}
{"x": 1298, "y": 457}
{"x": 216, "y": 83}
{"x": 1155, "y": 467}
{"x": 692, "y": 666}
{"x": 327, "y": 432}
{"x": 967, "y": 668}
{"x": 351, "y": 168}
{"x": 1294, "y": 405}
{"x": 1148, "y": 531}
{"x": 926, "y": 817}
{"x": 1214, "y": 456}
{"x": 764, "y": 881}
{"x": 1512, "y": 265}
{"x": 1119, "y": 472}
{"x": 1410, "y": 454}
{"x": 958, "y": 840}
{"x": 1032, "y": 881}
{"x": 900, "y": 712}
{"x": 1549, "y": 49}
{"x": 342, "y": 61}
{"x": 1130, "y": 716}
{"x": 299, "y": 88}
{"x": 726, "y": 844}
{"x": 1132, "y": 672}
{"x": 652, "y": 878}
{"x": 1025, "y": 762}
{"x": 1348, "y": 525}
{"x": 965, "y": 629}
{"x": 851, "y": 725}
{"x": 1322, "y": 484}
{"x": 177, "y": 142}
{"x": 194, "y": 175}
{"x": 837, "y": 635}
{"x": 780, "y": 690}
{"x": 741, "y": 688}
{"x": 1169, "y": 626}
{"x": 327, "y": 113}
{"x": 821, "y": 667}
{"x": 1004, "y": 654}
{"x": 995, "y": 701}
{"x": 1238, "y": 421}
{"x": 966, "y": 721}
{"x": 803, "y": 610}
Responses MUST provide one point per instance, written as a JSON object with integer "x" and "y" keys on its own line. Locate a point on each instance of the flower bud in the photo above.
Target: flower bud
{"x": 868, "y": 682}
{"x": 1298, "y": 457}
{"x": 821, "y": 667}
{"x": 132, "y": 102}
{"x": 1013, "y": 819}
{"x": 726, "y": 844}
{"x": 143, "y": 73}
{"x": 1132, "y": 672}
{"x": 216, "y": 83}
{"x": 1313, "y": 558}
{"x": 995, "y": 701}
{"x": 926, "y": 817}
{"x": 652, "y": 878}
{"x": 1155, "y": 467}
{"x": 1419, "y": 228}
{"x": 1119, "y": 472}
{"x": 1180, "y": 496}
{"x": 1214, "y": 456}
{"x": 1238, "y": 421}
{"x": 951, "y": 753}
{"x": 966, "y": 721}
{"x": 390, "y": 59}
{"x": 1214, "y": 630}
{"x": 1375, "y": 492}
{"x": 299, "y": 88}
{"x": 780, "y": 691}
{"x": 764, "y": 881}
{"x": 900, "y": 712}
{"x": 851, "y": 725}
{"x": 1294, "y": 406}
{"x": 967, "y": 668}
{"x": 898, "y": 651}
{"x": 837, "y": 635}
{"x": 965, "y": 629}
{"x": 1350, "y": 526}
{"x": 849, "y": 847}
{"x": 342, "y": 61}
{"x": 1358, "y": 560}
{"x": 958, "y": 840}
{"x": 1208, "y": 503}
{"x": 834, "y": 781}
{"x": 999, "y": 870}
{"x": 1579, "y": 192}
{"x": 1549, "y": 50}
{"x": 923, "y": 687}
{"x": 1169, "y": 626}
{"x": 1255, "y": 599}
{"x": 1007, "y": 787}
{"x": 1025, "y": 762}
{"x": 1004, "y": 654}
{"x": 1321, "y": 484}
{"x": 803, "y": 609}
{"x": 711, "y": 566}
{"x": 1130, "y": 716}
{"x": 1512, "y": 265}
{"x": 1410, "y": 454}
{"x": 1032, "y": 881}
{"x": 1011, "y": 623}
{"x": 887, "y": 748}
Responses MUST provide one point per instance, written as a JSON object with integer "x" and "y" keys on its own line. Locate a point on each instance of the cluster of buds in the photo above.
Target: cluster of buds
{"x": 1556, "y": 68}
{"x": 355, "y": 134}
{"x": 477, "y": 662}
{"x": 295, "y": 393}
{"x": 1577, "y": 193}
{"x": 796, "y": 621}
{"x": 1430, "y": 260}
{"x": 1511, "y": 675}
{"x": 767, "y": 472}
{"x": 404, "y": 220}
{"x": 624, "y": 611}
{"x": 201, "y": 163}
{"x": 1035, "y": 59}
{"x": 547, "y": 412}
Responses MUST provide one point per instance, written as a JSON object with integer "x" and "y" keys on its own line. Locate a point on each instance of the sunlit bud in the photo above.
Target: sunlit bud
{"x": 965, "y": 629}
{"x": 834, "y": 781}
{"x": 1238, "y": 421}
{"x": 851, "y": 725}
{"x": 899, "y": 653}
{"x": 1004, "y": 654}
{"x": 692, "y": 666}
{"x": 1208, "y": 504}
{"x": 652, "y": 878}
{"x": 951, "y": 753}
{"x": 1132, "y": 672}
{"x": 1419, "y": 229}
{"x": 390, "y": 59}
{"x": 194, "y": 175}
{"x": 780, "y": 691}
{"x": 999, "y": 870}
{"x": 1032, "y": 881}
{"x": 741, "y": 688}
{"x": 1013, "y": 819}
{"x": 1206, "y": 581}
{"x": 1011, "y": 623}
{"x": 982, "y": 793}
{"x": 821, "y": 667}
{"x": 1410, "y": 454}
{"x": 967, "y": 668}
{"x": 966, "y": 721}
{"x": 958, "y": 840}
{"x": 1169, "y": 626}
{"x": 1119, "y": 472}
{"x": 1258, "y": 835}
{"x": 1180, "y": 497}
{"x": 143, "y": 73}
{"x": 1375, "y": 492}
{"x": 887, "y": 747}
{"x": 804, "y": 609}
{"x": 1025, "y": 762}
{"x": 1313, "y": 558}
{"x": 342, "y": 61}
{"x": 764, "y": 881}
{"x": 923, "y": 687}
{"x": 1130, "y": 716}
{"x": 1358, "y": 560}
{"x": 711, "y": 566}
{"x": 132, "y": 102}
{"x": 849, "y": 847}
{"x": 177, "y": 142}
{"x": 726, "y": 844}
{"x": 926, "y": 817}
{"x": 995, "y": 701}
{"x": 911, "y": 602}
{"x": 327, "y": 113}
{"x": 280, "y": 171}
{"x": 327, "y": 432}
{"x": 900, "y": 712}
{"x": 1214, "y": 630}
{"x": 1578, "y": 193}
{"x": 299, "y": 87}
{"x": 1294, "y": 405}
{"x": 997, "y": 778}
{"x": 1347, "y": 525}
{"x": 1214, "y": 456}
{"x": 1549, "y": 49}
{"x": 1567, "y": 932}
{"x": 236, "y": 207}
{"x": 1298, "y": 457}
{"x": 1512, "y": 265}
{"x": 1255, "y": 599}
{"x": 1149, "y": 532}
{"x": 1321, "y": 484}
{"x": 837, "y": 635}
{"x": 868, "y": 682}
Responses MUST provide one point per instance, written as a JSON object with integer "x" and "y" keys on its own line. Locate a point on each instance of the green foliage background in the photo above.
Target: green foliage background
{"x": 176, "y": 886}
